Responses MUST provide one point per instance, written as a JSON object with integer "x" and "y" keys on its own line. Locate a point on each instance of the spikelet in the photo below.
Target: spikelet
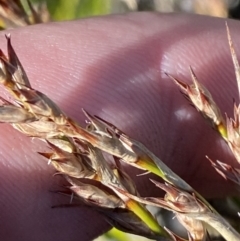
{"x": 202, "y": 100}
{"x": 226, "y": 171}
{"x": 183, "y": 205}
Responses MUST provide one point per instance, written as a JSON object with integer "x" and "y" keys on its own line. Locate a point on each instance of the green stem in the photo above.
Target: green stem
{"x": 147, "y": 218}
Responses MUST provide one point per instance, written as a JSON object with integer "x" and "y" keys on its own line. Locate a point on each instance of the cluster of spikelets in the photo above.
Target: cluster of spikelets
{"x": 228, "y": 129}
{"x": 77, "y": 152}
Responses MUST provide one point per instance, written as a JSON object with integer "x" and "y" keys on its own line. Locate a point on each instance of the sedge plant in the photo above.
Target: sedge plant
{"x": 76, "y": 152}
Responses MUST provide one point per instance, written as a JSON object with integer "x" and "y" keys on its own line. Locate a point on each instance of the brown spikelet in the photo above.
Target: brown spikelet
{"x": 202, "y": 100}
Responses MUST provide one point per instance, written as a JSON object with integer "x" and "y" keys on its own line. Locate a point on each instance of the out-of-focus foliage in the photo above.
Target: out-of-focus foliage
{"x": 66, "y": 10}
{"x": 17, "y": 13}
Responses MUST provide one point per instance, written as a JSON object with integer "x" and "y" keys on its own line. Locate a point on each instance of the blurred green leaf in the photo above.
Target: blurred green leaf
{"x": 67, "y": 10}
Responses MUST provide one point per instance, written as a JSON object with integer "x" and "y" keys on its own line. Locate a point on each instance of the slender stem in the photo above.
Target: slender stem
{"x": 147, "y": 218}
{"x": 221, "y": 225}
{"x": 222, "y": 131}
{"x": 150, "y": 166}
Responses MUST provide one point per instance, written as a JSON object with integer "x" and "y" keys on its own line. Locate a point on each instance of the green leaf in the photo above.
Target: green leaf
{"x": 67, "y": 10}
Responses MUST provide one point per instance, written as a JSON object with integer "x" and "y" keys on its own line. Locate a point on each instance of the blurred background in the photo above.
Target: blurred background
{"x": 18, "y": 13}
{"x": 65, "y": 10}
{"x": 12, "y": 14}
{"x": 83, "y": 8}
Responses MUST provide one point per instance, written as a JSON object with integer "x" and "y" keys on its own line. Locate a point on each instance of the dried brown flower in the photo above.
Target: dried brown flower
{"x": 202, "y": 100}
